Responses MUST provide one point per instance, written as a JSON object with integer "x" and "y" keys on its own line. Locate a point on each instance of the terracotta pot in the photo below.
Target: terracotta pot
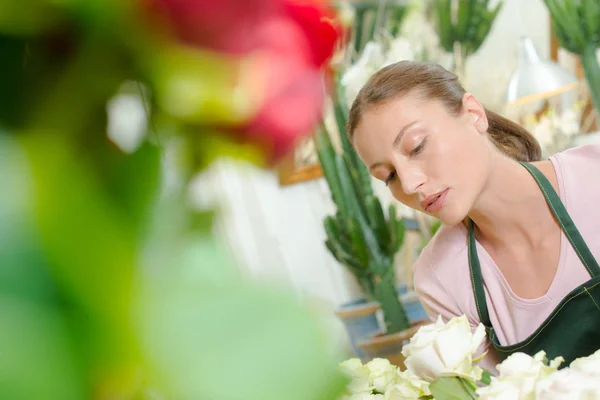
{"x": 390, "y": 346}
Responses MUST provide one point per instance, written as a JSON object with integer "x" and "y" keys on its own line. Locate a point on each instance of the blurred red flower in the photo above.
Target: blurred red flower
{"x": 293, "y": 40}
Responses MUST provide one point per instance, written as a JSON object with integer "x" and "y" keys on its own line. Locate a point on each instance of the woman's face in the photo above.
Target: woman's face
{"x": 432, "y": 161}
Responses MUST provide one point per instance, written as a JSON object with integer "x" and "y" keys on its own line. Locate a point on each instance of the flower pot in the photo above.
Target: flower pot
{"x": 389, "y": 346}
{"x": 413, "y": 307}
{"x": 360, "y": 321}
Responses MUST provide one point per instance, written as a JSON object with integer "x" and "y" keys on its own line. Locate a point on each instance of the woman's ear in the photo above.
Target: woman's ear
{"x": 476, "y": 112}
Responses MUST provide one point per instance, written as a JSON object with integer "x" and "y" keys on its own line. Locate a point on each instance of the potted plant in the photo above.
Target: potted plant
{"x": 365, "y": 240}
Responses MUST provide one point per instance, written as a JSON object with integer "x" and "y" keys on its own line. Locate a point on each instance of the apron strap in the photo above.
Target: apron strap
{"x": 565, "y": 221}
{"x": 567, "y": 225}
{"x": 477, "y": 278}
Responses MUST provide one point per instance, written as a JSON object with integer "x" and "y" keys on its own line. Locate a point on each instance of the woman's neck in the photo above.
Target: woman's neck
{"x": 511, "y": 205}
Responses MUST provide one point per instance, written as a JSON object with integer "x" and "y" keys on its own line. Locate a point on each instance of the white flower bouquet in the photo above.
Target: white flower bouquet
{"x": 441, "y": 365}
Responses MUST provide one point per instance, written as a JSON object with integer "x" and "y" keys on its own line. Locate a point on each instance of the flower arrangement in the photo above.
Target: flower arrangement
{"x": 555, "y": 129}
{"x": 441, "y": 364}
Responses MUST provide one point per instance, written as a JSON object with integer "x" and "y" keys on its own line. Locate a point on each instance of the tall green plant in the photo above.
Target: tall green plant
{"x": 373, "y": 16}
{"x": 463, "y": 25}
{"x": 576, "y": 24}
{"x": 359, "y": 235}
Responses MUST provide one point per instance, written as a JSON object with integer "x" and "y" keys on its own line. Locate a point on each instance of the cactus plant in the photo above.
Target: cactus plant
{"x": 359, "y": 235}
{"x": 372, "y": 16}
{"x": 463, "y": 25}
{"x": 576, "y": 24}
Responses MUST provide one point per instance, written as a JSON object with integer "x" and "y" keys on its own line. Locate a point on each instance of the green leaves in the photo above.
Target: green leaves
{"x": 204, "y": 336}
{"x": 576, "y": 24}
{"x": 486, "y": 377}
{"x": 474, "y": 21}
{"x": 452, "y": 388}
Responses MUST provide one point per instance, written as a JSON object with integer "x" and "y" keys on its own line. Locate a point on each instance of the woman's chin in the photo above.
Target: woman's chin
{"x": 451, "y": 218}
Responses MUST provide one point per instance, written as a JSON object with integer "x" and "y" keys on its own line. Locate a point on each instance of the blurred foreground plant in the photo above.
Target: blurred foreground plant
{"x": 111, "y": 286}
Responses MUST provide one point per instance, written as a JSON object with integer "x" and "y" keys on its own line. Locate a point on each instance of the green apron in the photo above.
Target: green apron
{"x": 573, "y": 328}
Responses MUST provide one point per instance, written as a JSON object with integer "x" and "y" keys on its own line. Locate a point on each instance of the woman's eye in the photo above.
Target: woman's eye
{"x": 389, "y": 178}
{"x": 419, "y": 148}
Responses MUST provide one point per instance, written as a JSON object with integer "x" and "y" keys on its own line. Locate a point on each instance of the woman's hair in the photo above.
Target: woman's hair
{"x": 433, "y": 82}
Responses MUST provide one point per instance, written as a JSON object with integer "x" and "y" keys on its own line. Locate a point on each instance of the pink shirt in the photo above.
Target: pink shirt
{"x": 441, "y": 273}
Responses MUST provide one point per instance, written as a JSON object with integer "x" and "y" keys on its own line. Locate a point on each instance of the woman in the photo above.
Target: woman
{"x": 509, "y": 254}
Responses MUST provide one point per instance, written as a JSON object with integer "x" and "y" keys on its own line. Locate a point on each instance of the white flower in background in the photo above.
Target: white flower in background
{"x": 543, "y": 131}
{"x": 358, "y": 374}
{"x": 569, "y": 384}
{"x": 421, "y": 33}
{"x": 358, "y": 74}
{"x": 346, "y": 14}
{"x": 373, "y": 58}
{"x": 588, "y": 365}
{"x": 400, "y": 49}
{"x": 568, "y": 122}
{"x": 555, "y": 130}
{"x": 520, "y": 373}
{"x": 127, "y": 117}
{"x": 382, "y": 374}
{"x": 440, "y": 349}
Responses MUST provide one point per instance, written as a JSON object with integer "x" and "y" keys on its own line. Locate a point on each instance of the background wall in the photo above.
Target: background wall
{"x": 276, "y": 232}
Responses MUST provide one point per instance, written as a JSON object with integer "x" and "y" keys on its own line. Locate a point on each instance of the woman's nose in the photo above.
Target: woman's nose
{"x": 411, "y": 178}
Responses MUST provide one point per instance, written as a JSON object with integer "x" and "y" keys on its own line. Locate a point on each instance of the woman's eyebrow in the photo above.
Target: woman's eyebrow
{"x": 399, "y": 136}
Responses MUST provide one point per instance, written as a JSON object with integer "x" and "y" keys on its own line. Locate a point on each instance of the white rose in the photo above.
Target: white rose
{"x": 589, "y": 365}
{"x": 358, "y": 374}
{"x": 499, "y": 390}
{"x": 440, "y": 349}
{"x": 402, "y": 392}
{"x": 569, "y": 384}
{"x": 408, "y": 387}
{"x": 524, "y": 371}
{"x": 519, "y": 376}
{"x": 382, "y": 374}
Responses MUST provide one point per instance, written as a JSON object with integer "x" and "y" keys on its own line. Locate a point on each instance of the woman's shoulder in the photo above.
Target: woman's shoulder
{"x": 577, "y": 170}
{"x": 441, "y": 274}
{"x": 446, "y": 250}
{"x": 583, "y": 156}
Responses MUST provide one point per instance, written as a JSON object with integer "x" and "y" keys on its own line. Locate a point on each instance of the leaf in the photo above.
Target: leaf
{"x": 486, "y": 377}
{"x": 450, "y": 389}
{"x": 204, "y": 337}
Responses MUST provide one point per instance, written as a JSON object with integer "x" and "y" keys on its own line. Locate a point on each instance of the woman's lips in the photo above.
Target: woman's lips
{"x": 433, "y": 203}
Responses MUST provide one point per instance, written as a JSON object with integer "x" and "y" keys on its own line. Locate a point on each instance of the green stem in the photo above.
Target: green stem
{"x": 592, "y": 73}
{"x": 393, "y": 311}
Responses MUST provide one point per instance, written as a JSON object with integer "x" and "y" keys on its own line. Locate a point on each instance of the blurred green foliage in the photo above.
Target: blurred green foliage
{"x": 111, "y": 286}
{"x": 576, "y": 24}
